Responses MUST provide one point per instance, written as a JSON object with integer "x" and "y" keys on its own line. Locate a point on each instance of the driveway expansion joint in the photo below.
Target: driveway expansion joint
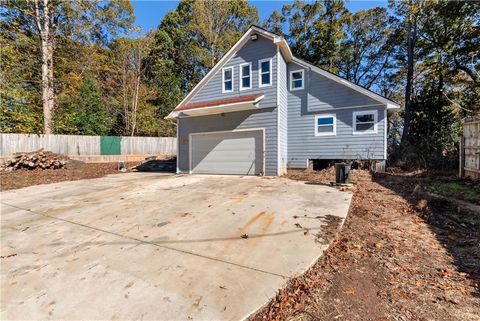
{"x": 145, "y": 242}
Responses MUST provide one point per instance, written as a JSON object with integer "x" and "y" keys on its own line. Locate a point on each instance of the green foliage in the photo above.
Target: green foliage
{"x": 20, "y": 120}
{"x": 435, "y": 131}
{"x": 367, "y": 50}
{"x": 445, "y": 80}
{"x": 315, "y": 30}
{"x": 87, "y": 115}
{"x": 20, "y": 104}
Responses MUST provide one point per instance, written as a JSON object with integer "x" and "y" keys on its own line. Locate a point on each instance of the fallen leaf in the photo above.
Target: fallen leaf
{"x": 379, "y": 245}
{"x": 349, "y": 291}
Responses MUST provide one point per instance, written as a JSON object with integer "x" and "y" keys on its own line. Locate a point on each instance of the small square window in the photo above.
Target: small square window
{"x": 296, "y": 80}
{"x": 325, "y": 125}
{"x": 365, "y": 122}
{"x": 227, "y": 79}
{"x": 265, "y": 72}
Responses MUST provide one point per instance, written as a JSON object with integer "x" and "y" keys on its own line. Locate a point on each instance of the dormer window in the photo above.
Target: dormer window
{"x": 245, "y": 76}
{"x": 227, "y": 80}
{"x": 265, "y": 72}
{"x": 296, "y": 80}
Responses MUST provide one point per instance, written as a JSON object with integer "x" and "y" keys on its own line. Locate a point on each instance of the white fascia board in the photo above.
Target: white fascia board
{"x": 393, "y": 106}
{"x": 389, "y": 104}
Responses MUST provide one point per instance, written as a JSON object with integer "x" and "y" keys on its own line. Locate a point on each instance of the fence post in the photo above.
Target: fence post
{"x": 461, "y": 169}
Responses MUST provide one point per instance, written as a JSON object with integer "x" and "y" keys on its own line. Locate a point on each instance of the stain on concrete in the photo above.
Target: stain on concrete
{"x": 329, "y": 229}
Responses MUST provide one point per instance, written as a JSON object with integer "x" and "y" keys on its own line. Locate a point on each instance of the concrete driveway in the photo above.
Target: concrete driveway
{"x": 154, "y": 246}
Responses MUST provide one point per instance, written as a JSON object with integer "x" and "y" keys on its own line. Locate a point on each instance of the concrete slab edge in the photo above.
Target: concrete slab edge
{"x": 285, "y": 284}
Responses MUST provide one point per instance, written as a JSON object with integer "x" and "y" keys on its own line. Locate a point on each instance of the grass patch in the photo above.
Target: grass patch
{"x": 458, "y": 190}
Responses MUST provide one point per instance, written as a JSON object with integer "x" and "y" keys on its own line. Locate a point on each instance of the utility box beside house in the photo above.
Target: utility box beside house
{"x": 470, "y": 148}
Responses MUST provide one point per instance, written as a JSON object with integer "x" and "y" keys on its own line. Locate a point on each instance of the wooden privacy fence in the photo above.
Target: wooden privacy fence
{"x": 90, "y": 148}
{"x": 470, "y": 148}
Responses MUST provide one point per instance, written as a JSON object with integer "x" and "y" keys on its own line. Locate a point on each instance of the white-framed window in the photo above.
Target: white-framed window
{"x": 246, "y": 76}
{"x": 227, "y": 79}
{"x": 365, "y": 122}
{"x": 325, "y": 125}
{"x": 297, "y": 80}
{"x": 265, "y": 72}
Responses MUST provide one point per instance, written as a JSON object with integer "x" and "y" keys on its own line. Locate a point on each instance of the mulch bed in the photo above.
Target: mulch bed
{"x": 74, "y": 170}
{"x": 398, "y": 257}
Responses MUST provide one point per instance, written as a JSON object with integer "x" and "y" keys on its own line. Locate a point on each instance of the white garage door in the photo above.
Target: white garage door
{"x": 238, "y": 153}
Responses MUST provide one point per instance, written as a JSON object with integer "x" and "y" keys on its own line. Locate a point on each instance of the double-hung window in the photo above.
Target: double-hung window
{"x": 265, "y": 72}
{"x": 296, "y": 80}
{"x": 325, "y": 125}
{"x": 227, "y": 80}
{"x": 245, "y": 76}
{"x": 365, "y": 122}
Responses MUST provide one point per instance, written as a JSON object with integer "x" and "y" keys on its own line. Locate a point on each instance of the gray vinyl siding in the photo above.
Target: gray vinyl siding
{"x": 252, "y": 51}
{"x": 326, "y": 96}
{"x": 263, "y": 118}
{"x": 282, "y": 115}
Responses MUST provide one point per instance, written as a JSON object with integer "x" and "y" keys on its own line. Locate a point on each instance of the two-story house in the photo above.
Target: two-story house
{"x": 261, "y": 110}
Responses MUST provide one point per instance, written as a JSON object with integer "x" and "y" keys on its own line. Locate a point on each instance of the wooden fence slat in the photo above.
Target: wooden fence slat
{"x": 84, "y": 145}
{"x": 471, "y": 147}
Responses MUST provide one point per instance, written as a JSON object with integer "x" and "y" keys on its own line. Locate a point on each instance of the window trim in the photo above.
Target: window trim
{"x": 317, "y": 117}
{"x": 260, "y": 72}
{"x": 291, "y": 79}
{"x": 249, "y": 64}
{"x": 223, "y": 80}
{"x": 375, "y": 122}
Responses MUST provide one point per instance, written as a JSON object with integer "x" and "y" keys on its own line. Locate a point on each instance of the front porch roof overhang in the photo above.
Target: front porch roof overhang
{"x": 226, "y": 105}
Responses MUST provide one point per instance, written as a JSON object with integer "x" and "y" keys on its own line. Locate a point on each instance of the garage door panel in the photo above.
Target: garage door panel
{"x": 227, "y": 153}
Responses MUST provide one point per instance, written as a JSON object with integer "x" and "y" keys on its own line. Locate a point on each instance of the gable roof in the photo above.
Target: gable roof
{"x": 287, "y": 53}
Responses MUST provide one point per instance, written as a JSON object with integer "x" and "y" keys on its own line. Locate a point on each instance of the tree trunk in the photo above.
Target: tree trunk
{"x": 411, "y": 37}
{"x": 138, "y": 73}
{"x": 42, "y": 19}
{"x": 48, "y": 95}
{"x": 135, "y": 104}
